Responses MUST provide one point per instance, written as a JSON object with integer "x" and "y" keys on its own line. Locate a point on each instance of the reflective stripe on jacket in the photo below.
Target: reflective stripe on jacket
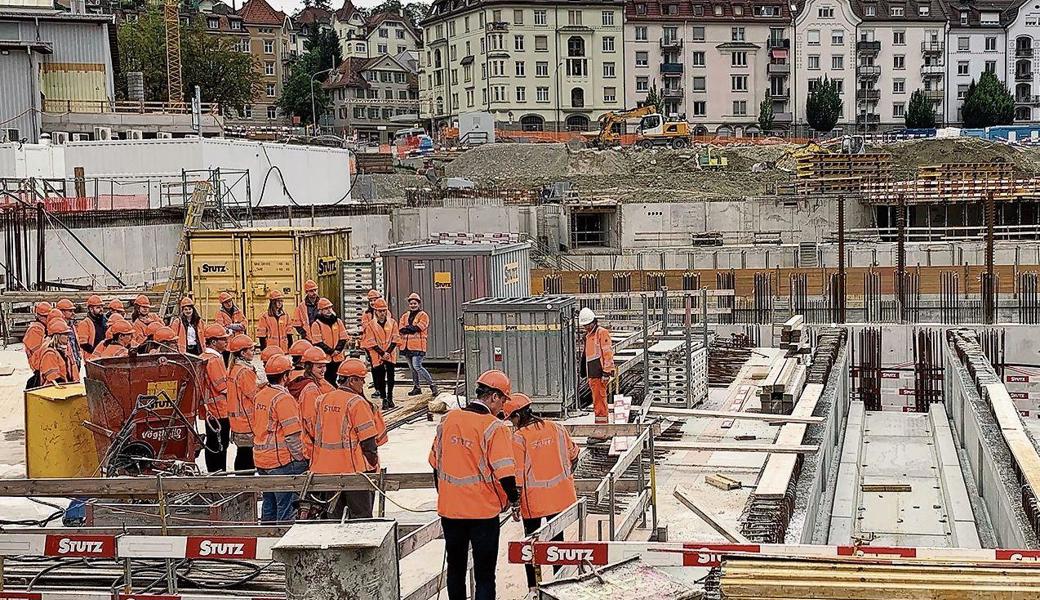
{"x": 344, "y": 420}
{"x": 544, "y": 454}
{"x": 276, "y": 419}
{"x": 470, "y": 453}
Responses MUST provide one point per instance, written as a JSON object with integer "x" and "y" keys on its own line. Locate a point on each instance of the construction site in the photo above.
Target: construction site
{"x": 825, "y": 378}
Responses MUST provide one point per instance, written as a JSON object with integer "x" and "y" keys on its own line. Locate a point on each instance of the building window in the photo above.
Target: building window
{"x": 247, "y": 111}
{"x": 697, "y": 59}
{"x": 699, "y": 84}
{"x": 543, "y": 94}
{"x": 270, "y": 90}
{"x": 898, "y": 86}
{"x": 898, "y": 38}
{"x": 469, "y": 97}
{"x": 400, "y": 32}
{"x": 962, "y": 67}
{"x": 269, "y": 69}
{"x": 383, "y": 32}
{"x": 991, "y": 44}
{"x": 272, "y": 113}
{"x": 640, "y": 33}
{"x": 520, "y": 68}
{"x": 740, "y": 107}
{"x": 608, "y": 43}
{"x": 838, "y": 62}
{"x": 642, "y": 59}
{"x": 739, "y": 82}
{"x": 540, "y": 17}
{"x": 518, "y": 19}
{"x": 738, "y": 59}
{"x": 962, "y": 91}
{"x": 518, "y": 43}
{"x": 738, "y": 10}
{"x": 608, "y": 18}
{"x": 268, "y": 46}
{"x": 697, "y": 33}
{"x": 898, "y": 110}
{"x": 700, "y": 108}
{"x": 736, "y": 34}
{"x": 671, "y": 9}
{"x": 541, "y": 69}
{"x": 812, "y": 37}
{"x": 640, "y": 9}
{"x": 896, "y": 11}
{"x": 608, "y": 70}
{"x": 452, "y": 55}
{"x": 642, "y": 84}
{"x": 837, "y": 37}
{"x": 465, "y": 25}
{"x": 541, "y": 43}
{"x": 236, "y": 25}
{"x": 574, "y": 17}
{"x": 898, "y": 62}
{"x": 963, "y": 44}
{"x": 991, "y": 66}
{"x": 213, "y": 23}
{"x": 521, "y": 94}
{"x": 826, "y": 12}
{"x": 382, "y": 49}
{"x": 718, "y": 10}
{"x": 609, "y": 95}
{"x": 871, "y": 10}
{"x": 924, "y": 10}
{"x": 813, "y": 62}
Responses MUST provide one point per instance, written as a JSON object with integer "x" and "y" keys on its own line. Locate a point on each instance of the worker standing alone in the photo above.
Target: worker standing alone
{"x": 272, "y": 328}
{"x": 415, "y": 330}
{"x": 329, "y": 334}
{"x": 218, "y": 426}
{"x": 33, "y": 340}
{"x": 277, "y": 439}
{"x": 474, "y": 471}
{"x": 381, "y": 339}
{"x": 306, "y": 311}
{"x": 242, "y": 385}
{"x": 90, "y": 331}
{"x": 345, "y": 438}
{"x": 189, "y": 328}
{"x": 597, "y": 362}
{"x": 545, "y": 456}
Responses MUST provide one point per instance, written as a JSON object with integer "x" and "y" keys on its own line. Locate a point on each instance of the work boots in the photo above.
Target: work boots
{"x": 414, "y": 392}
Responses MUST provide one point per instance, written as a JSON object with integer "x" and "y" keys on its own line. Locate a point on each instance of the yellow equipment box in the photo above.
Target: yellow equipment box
{"x": 56, "y": 442}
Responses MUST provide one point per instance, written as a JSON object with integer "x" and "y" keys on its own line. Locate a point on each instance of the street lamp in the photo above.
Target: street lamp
{"x": 314, "y": 118}
{"x": 794, "y": 69}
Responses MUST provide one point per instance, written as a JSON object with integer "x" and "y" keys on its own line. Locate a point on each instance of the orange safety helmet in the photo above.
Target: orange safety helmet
{"x": 516, "y": 402}
{"x": 380, "y": 304}
{"x": 55, "y": 313}
{"x": 299, "y": 347}
{"x": 117, "y": 305}
{"x": 269, "y": 352}
{"x": 215, "y": 331}
{"x": 65, "y": 304}
{"x": 142, "y": 301}
{"x": 240, "y": 342}
{"x": 496, "y": 380}
{"x": 120, "y": 327}
{"x": 352, "y": 367}
{"x": 310, "y": 286}
{"x": 151, "y": 328}
{"x": 274, "y": 295}
{"x": 57, "y": 326}
{"x": 115, "y": 316}
{"x": 278, "y": 364}
{"x": 324, "y": 303}
{"x": 315, "y": 355}
{"x": 414, "y": 296}
{"x": 94, "y": 300}
{"x": 164, "y": 334}
{"x": 42, "y": 309}
{"x": 224, "y": 297}
{"x": 373, "y": 294}
{"x": 187, "y": 301}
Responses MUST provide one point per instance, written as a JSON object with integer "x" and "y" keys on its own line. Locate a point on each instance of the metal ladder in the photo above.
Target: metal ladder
{"x": 178, "y": 276}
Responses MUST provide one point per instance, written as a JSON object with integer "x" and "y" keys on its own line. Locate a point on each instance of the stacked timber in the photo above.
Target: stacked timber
{"x": 374, "y": 162}
{"x": 793, "y": 340}
{"x": 782, "y": 387}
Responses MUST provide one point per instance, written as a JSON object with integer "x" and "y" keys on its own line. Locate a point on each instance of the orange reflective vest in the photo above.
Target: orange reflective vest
{"x": 33, "y": 341}
{"x": 140, "y": 326}
{"x": 111, "y": 349}
{"x": 308, "y": 400}
{"x": 416, "y": 342}
{"x": 57, "y": 366}
{"x": 599, "y": 353}
{"x": 330, "y": 335}
{"x": 241, "y": 391}
{"x": 86, "y": 333}
{"x": 178, "y": 327}
{"x": 275, "y": 329}
{"x": 275, "y": 421}
{"x": 470, "y": 453}
{"x": 379, "y": 336}
{"x": 215, "y": 391}
{"x": 344, "y": 420}
{"x": 301, "y": 318}
{"x": 544, "y": 455}
{"x": 237, "y": 317}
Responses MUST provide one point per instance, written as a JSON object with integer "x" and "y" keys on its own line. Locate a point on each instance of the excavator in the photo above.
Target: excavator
{"x": 653, "y": 130}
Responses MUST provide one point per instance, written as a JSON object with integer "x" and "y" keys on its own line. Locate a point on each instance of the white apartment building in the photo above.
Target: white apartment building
{"x": 382, "y": 34}
{"x": 826, "y": 45}
{"x": 975, "y": 42}
{"x": 534, "y": 65}
{"x": 712, "y": 63}
{"x": 1022, "y": 59}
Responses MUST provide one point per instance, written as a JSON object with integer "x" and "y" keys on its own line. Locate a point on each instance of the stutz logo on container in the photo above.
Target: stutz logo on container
{"x": 208, "y": 268}
{"x": 511, "y": 273}
{"x": 563, "y": 553}
{"x": 83, "y": 546}
{"x": 327, "y": 265}
{"x": 220, "y": 547}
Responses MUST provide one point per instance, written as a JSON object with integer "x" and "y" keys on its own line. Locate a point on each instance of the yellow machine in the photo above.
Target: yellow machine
{"x": 653, "y": 130}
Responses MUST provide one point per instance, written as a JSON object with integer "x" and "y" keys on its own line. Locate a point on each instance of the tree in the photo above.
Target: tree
{"x": 920, "y": 114}
{"x": 223, "y": 73}
{"x": 987, "y": 103}
{"x": 823, "y": 106}
{"x": 325, "y": 4}
{"x": 653, "y": 97}
{"x": 321, "y": 52}
{"x": 765, "y": 114}
{"x": 413, "y": 11}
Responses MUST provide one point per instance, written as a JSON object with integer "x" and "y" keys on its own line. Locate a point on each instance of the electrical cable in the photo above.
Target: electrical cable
{"x": 285, "y": 188}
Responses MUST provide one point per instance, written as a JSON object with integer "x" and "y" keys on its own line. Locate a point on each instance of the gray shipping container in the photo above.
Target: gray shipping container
{"x": 532, "y": 339}
{"x": 446, "y": 276}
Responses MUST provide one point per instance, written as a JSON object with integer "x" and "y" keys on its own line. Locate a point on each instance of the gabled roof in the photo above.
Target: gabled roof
{"x": 259, "y": 12}
{"x": 314, "y": 14}
{"x": 1011, "y": 12}
{"x": 911, "y": 13}
{"x": 346, "y": 11}
{"x": 378, "y": 19}
{"x": 224, "y": 23}
{"x": 348, "y": 74}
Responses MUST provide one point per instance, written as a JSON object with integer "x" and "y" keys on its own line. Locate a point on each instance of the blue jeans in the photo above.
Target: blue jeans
{"x": 415, "y": 364}
{"x": 278, "y": 507}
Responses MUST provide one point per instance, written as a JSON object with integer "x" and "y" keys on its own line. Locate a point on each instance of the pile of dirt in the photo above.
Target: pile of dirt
{"x": 511, "y": 162}
{"x": 909, "y": 155}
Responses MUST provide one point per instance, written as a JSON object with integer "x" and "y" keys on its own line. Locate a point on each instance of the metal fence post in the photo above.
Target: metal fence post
{"x": 688, "y": 341}
{"x": 613, "y": 530}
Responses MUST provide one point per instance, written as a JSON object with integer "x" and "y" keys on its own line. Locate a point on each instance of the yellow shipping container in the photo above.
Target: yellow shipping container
{"x": 249, "y": 263}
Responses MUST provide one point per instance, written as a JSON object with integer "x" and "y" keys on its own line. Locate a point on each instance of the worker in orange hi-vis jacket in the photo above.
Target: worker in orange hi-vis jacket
{"x": 140, "y": 317}
{"x": 307, "y": 311}
{"x": 345, "y": 438}
{"x": 475, "y": 474}
{"x": 190, "y": 328}
{"x": 272, "y": 328}
{"x": 90, "y": 332}
{"x": 277, "y": 439}
{"x": 33, "y": 339}
{"x": 68, "y": 312}
{"x": 306, "y": 388}
{"x": 229, "y": 315}
{"x": 164, "y": 341}
{"x": 329, "y": 334}
{"x": 215, "y": 405}
{"x": 369, "y": 313}
{"x": 545, "y": 459}
{"x": 121, "y": 336}
{"x": 56, "y": 362}
{"x": 597, "y": 362}
{"x": 115, "y": 307}
{"x": 242, "y": 386}
{"x": 296, "y": 352}
{"x": 382, "y": 339}
{"x": 415, "y": 331}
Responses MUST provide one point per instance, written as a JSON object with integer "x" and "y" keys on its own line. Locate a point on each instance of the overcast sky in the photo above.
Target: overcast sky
{"x": 293, "y": 6}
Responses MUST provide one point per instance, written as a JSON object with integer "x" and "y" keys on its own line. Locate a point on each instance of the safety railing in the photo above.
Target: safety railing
{"x": 55, "y": 105}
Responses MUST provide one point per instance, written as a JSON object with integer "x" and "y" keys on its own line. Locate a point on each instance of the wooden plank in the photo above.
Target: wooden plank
{"x": 885, "y": 487}
{"x": 722, "y": 482}
{"x": 736, "y": 447}
{"x": 629, "y": 457}
{"x": 591, "y": 486}
{"x": 559, "y": 523}
{"x": 608, "y": 431}
{"x": 419, "y": 538}
{"x": 632, "y": 514}
{"x": 731, "y": 536}
{"x": 726, "y": 414}
{"x": 427, "y": 590}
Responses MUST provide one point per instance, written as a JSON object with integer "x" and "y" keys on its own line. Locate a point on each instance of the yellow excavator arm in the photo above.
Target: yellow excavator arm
{"x": 607, "y": 121}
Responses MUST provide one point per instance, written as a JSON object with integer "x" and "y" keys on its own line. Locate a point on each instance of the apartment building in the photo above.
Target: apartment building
{"x": 712, "y": 63}
{"x": 826, "y": 45}
{"x": 1022, "y": 58}
{"x": 535, "y": 65}
{"x": 307, "y": 22}
{"x": 373, "y": 97}
{"x": 975, "y": 42}
{"x": 384, "y": 33}
{"x": 270, "y": 40}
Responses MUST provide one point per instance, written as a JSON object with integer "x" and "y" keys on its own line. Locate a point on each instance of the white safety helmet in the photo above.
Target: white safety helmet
{"x": 586, "y": 316}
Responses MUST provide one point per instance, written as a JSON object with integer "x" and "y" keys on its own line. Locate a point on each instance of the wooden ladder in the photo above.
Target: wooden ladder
{"x": 178, "y": 276}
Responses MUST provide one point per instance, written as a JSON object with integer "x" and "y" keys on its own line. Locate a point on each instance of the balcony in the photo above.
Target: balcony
{"x": 868, "y": 71}
{"x": 672, "y": 92}
{"x": 933, "y": 70}
{"x": 783, "y": 117}
{"x": 778, "y": 68}
{"x": 1026, "y": 52}
{"x": 671, "y": 68}
{"x": 780, "y": 95}
{"x": 1024, "y": 76}
{"x": 869, "y": 95}
{"x": 1027, "y": 100}
{"x": 774, "y": 43}
{"x": 864, "y": 47}
{"x": 933, "y": 95}
{"x": 868, "y": 118}
{"x": 932, "y": 47}
{"x": 497, "y": 27}
{"x": 669, "y": 42}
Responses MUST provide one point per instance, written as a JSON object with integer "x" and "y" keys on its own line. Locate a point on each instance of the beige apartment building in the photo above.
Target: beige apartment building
{"x": 382, "y": 34}
{"x": 534, "y": 65}
{"x": 713, "y": 63}
{"x": 271, "y": 43}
